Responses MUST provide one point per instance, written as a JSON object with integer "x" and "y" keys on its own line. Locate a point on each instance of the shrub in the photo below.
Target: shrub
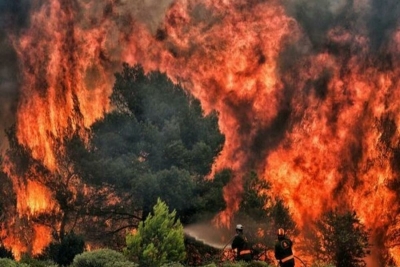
{"x": 234, "y": 264}
{"x": 172, "y": 264}
{"x": 159, "y": 240}
{"x": 11, "y": 263}
{"x": 210, "y": 265}
{"x": 64, "y": 252}
{"x": 257, "y": 264}
{"x": 31, "y": 262}
{"x": 102, "y": 258}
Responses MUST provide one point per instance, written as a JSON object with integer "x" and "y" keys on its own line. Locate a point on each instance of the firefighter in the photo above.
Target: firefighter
{"x": 241, "y": 245}
{"x": 283, "y": 250}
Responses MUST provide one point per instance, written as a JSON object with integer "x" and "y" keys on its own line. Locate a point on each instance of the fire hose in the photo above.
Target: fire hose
{"x": 305, "y": 265}
{"x": 302, "y": 262}
{"x": 223, "y": 249}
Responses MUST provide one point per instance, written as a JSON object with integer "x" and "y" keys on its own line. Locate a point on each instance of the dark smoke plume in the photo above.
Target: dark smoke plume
{"x": 13, "y": 17}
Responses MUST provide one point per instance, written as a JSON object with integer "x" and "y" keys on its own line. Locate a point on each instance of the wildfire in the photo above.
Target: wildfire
{"x": 316, "y": 118}
{"x": 34, "y": 198}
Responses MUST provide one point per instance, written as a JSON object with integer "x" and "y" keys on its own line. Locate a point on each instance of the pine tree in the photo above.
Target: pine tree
{"x": 343, "y": 240}
{"x": 158, "y": 240}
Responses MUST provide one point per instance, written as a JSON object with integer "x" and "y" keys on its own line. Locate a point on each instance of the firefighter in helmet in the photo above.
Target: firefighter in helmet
{"x": 283, "y": 250}
{"x": 241, "y": 245}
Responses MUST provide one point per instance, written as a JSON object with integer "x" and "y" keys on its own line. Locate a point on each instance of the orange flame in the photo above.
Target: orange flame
{"x": 34, "y": 198}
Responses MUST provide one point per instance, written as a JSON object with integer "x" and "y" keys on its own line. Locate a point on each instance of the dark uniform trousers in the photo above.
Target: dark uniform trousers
{"x": 243, "y": 251}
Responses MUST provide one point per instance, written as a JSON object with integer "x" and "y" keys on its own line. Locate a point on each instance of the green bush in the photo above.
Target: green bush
{"x": 210, "y": 265}
{"x": 70, "y": 246}
{"x": 257, "y": 264}
{"x": 234, "y": 264}
{"x": 120, "y": 264}
{"x": 320, "y": 264}
{"x": 31, "y": 262}
{"x": 64, "y": 252}
{"x": 158, "y": 240}
{"x": 173, "y": 264}
{"x": 10, "y": 263}
{"x": 102, "y": 258}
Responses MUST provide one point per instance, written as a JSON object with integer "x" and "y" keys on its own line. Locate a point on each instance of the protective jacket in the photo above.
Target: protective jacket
{"x": 283, "y": 252}
{"x": 243, "y": 251}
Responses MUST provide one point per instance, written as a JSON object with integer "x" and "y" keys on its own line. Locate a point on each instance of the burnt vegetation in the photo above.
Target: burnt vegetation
{"x": 156, "y": 144}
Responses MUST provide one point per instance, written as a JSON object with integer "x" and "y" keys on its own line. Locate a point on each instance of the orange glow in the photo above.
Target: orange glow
{"x": 34, "y": 198}
{"x": 41, "y": 238}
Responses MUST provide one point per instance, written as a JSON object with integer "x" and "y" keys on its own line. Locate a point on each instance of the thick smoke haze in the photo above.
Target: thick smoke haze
{"x": 14, "y": 15}
{"x": 376, "y": 19}
{"x": 8, "y": 87}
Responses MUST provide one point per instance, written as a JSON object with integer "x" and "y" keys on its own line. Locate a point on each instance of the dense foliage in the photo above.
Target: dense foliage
{"x": 344, "y": 239}
{"x": 156, "y": 143}
{"x": 158, "y": 240}
{"x": 64, "y": 252}
{"x": 11, "y": 263}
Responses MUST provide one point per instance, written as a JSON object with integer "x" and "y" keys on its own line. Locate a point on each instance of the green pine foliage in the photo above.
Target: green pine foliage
{"x": 343, "y": 241}
{"x": 157, "y": 135}
{"x": 158, "y": 240}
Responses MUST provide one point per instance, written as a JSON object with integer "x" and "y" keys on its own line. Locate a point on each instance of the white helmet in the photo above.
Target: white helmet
{"x": 239, "y": 227}
{"x": 281, "y": 232}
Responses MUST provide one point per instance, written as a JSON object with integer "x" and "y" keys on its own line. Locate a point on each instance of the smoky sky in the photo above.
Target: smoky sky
{"x": 382, "y": 21}
{"x": 14, "y": 13}
{"x": 13, "y": 17}
{"x": 376, "y": 19}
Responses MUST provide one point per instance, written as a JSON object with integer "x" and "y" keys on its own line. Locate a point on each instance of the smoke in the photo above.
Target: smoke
{"x": 150, "y": 12}
{"x": 317, "y": 17}
{"x": 13, "y": 17}
{"x": 383, "y": 19}
{"x": 14, "y": 13}
{"x": 8, "y": 87}
{"x": 373, "y": 18}
{"x": 209, "y": 234}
